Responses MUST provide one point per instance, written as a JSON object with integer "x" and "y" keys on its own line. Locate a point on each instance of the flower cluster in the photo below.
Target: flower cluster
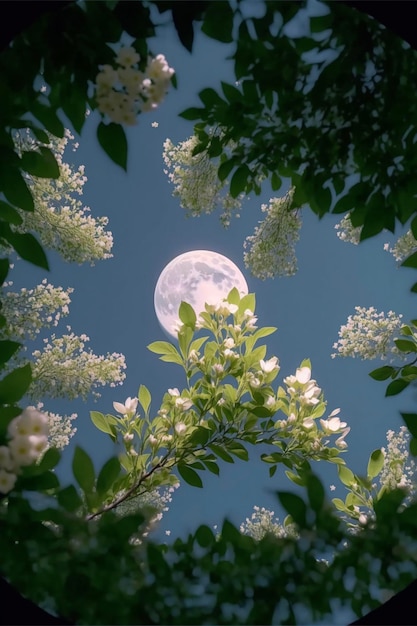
{"x": 369, "y": 335}
{"x": 196, "y": 182}
{"x": 403, "y": 247}
{"x": 60, "y": 428}
{"x": 347, "y": 232}
{"x": 123, "y": 92}
{"x": 302, "y": 402}
{"x": 262, "y": 523}
{"x": 28, "y": 438}
{"x": 64, "y": 369}
{"x": 399, "y": 469}
{"x": 29, "y": 310}
{"x": 270, "y": 251}
{"x": 60, "y": 219}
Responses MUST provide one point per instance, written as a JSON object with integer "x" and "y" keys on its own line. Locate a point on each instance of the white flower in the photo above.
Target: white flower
{"x": 226, "y": 309}
{"x": 340, "y": 441}
{"x": 25, "y": 450}
{"x": 174, "y": 392}
{"x": 127, "y": 437}
{"x": 332, "y": 425}
{"x": 308, "y": 422}
{"x": 218, "y": 369}
{"x": 153, "y": 440}
{"x": 6, "y": 462}
{"x": 30, "y": 422}
{"x": 332, "y": 487}
{"x": 7, "y": 481}
{"x": 229, "y": 343}
{"x": 183, "y": 404}
{"x": 128, "y": 408}
{"x": 269, "y": 366}
{"x": 127, "y": 56}
{"x": 303, "y": 375}
{"x": 270, "y": 402}
{"x": 180, "y": 428}
{"x": 155, "y": 124}
{"x": 270, "y": 251}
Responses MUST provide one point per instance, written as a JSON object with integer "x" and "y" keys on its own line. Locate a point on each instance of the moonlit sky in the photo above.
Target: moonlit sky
{"x": 113, "y": 301}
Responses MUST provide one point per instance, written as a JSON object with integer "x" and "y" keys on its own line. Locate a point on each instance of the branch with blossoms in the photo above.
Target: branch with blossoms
{"x": 228, "y": 403}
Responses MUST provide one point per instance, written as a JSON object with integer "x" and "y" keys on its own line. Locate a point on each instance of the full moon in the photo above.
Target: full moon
{"x": 196, "y": 277}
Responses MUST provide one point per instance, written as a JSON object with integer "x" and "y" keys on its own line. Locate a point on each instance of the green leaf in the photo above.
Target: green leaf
{"x": 4, "y": 270}
{"x": 209, "y": 97}
{"x": 236, "y": 448}
{"x": 15, "y": 188}
{"x": 339, "y": 504}
{"x": 295, "y": 478}
{"x": 49, "y": 460}
{"x": 29, "y": 249}
{"x": 192, "y": 113}
{"x": 382, "y": 373}
{"x": 108, "y": 474}
{"x": 231, "y": 93}
{"x": 187, "y": 315}
{"x": 162, "y": 347}
{"x": 218, "y": 21}
{"x": 112, "y": 139}
{"x": 410, "y": 420}
{"x": 204, "y": 536}
{"x": 15, "y": 385}
{"x": 7, "y": 350}
{"x": 144, "y": 397}
{"x": 375, "y": 463}
{"x": 48, "y": 117}
{"x": 40, "y": 163}
{"x": 276, "y": 181}
{"x": 41, "y": 482}
{"x": 225, "y": 168}
{"x": 413, "y": 446}
{"x": 239, "y": 180}
{"x": 189, "y": 475}
{"x": 321, "y": 22}
{"x": 221, "y": 453}
{"x": 405, "y": 345}
{"x": 409, "y": 372}
{"x": 9, "y": 214}
{"x": 69, "y": 499}
{"x": 101, "y": 422}
{"x": 410, "y": 261}
{"x": 316, "y": 494}
{"x": 295, "y": 506}
{"x": 396, "y": 387}
{"x": 83, "y": 470}
{"x": 346, "y": 475}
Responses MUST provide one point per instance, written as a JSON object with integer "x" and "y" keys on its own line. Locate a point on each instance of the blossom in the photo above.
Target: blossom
{"x": 303, "y": 375}
{"x": 66, "y": 369}
{"x": 7, "y": 481}
{"x": 369, "y": 335}
{"x": 196, "y": 182}
{"x": 127, "y": 56}
{"x": 128, "y": 408}
{"x": 270, "y": 251}
{"x": 183, "y": 403}
{"x": 332, "y": 425}
{"x": 180, "y": 428}
{"x": 174, "y": 392}
{"x": 62, "y": 222}
{"x": 403, "y": 247}
{"x": 6, "y": 462}
{"x": 269, "y": 366}
{"x": 123, "y": 93}
{"x": 25, "y": 450}
{"x": 29, "y": 422}
{"x": 347, "y": 232}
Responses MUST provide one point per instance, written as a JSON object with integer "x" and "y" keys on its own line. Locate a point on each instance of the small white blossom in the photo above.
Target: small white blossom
{"x": 269, "y": 366}
{"x": 270, "y": 251}
{"x": 128, "y": 408}
{"x": 180, "y": 428}
{"x": 7, "y": 481}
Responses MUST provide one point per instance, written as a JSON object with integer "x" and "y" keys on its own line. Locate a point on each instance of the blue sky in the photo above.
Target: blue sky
{"x": 113, "y": 302}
